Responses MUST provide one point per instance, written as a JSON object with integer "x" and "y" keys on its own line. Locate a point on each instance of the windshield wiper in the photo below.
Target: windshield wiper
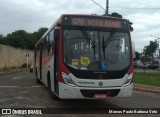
{"x": 88, "y": 38}
{"x": 107, "y": 41}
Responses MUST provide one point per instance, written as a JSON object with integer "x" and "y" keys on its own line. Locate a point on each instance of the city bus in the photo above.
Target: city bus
{"x": 86, "y": 57}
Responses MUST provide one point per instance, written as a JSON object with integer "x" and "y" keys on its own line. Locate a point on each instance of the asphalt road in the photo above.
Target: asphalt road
{"x": 20, "y": 90}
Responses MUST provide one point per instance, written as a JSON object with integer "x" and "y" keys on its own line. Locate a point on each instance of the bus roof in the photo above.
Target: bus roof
{"x": 92, "y": 15}
{"x": 59, "y": 20}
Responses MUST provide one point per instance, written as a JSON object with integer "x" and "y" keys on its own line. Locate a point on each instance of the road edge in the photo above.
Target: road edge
{"x": 146, "y": 90}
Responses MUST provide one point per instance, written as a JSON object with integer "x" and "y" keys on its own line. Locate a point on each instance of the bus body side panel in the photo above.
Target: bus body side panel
{"x": 47, "y": 67}
{"x": 38, "y": 58}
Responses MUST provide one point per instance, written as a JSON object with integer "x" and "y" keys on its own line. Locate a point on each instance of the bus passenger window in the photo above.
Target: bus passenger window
{"x": 51, "y": 39}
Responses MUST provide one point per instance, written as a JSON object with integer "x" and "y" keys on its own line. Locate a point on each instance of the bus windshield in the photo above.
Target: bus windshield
{"x": 96, "y": 50}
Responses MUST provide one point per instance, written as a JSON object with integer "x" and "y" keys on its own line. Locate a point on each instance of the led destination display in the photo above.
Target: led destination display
{"x": 95, "y": 22}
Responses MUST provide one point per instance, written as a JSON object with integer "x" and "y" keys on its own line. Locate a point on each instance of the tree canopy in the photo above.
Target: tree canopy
{"x": 1, "y": 36}
{"x": 22, "y": 39}
{"x": 115, "y": 14}
{"x": 137, "y": 55}
{"x": 150, "y": 49}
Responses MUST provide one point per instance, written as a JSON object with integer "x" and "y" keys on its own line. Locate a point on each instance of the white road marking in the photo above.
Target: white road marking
{"x": 4, "y": 100}
{"x": 37, "y": 86}
{"x": 22, "y": 98}
{"x": 21, "y": 86}
{"x": 9, "y": 116}
{"x": 24, "y": 92}
{"x": 17, "y": 77}
{"x": 9, "y": 86}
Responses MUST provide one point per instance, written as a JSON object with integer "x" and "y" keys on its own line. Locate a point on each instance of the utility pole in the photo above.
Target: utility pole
{"x": 107, "y": 7}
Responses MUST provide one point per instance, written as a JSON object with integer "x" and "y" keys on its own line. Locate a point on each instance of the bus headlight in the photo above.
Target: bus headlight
{"x": 128, "y": 81}
{"x": 68, "y": 80}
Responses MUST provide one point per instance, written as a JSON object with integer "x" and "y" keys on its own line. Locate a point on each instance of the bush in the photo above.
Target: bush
{"x": 25, "y": 65}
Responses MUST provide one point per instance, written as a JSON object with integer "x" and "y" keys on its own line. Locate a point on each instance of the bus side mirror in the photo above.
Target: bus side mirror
{"x": 56, "y": 34}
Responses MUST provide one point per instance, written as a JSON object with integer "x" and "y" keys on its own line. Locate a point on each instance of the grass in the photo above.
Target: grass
{"x": 147, "y": 78}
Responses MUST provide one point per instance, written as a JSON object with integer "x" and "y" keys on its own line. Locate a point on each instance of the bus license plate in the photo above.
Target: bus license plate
{"x": 100, "y": 96}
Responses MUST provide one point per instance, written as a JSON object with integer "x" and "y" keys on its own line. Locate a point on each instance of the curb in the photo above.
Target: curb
{"x": 147, "y": 90}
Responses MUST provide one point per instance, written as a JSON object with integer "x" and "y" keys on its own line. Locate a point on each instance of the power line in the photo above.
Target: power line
{"x": 140, "y": 17}
{"x": 106, "y": 10}
{"x": 99, "y": 5}
{"x": 133, "y": 8}
{"x": 143, "y": 18}
{"x": 107, "y": 6}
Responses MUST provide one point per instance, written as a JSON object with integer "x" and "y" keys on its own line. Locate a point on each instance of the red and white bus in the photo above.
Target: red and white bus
{"x": 86, "y": 57}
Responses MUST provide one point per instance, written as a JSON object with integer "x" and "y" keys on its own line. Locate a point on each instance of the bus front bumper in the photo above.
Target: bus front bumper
{"x": 69, "y": 92}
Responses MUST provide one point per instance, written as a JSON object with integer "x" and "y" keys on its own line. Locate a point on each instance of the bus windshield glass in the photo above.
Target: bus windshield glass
{"x": 96, "y": 50}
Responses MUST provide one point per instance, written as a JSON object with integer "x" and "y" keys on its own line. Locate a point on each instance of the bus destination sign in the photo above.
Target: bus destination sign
{"x": 95, "y": 22}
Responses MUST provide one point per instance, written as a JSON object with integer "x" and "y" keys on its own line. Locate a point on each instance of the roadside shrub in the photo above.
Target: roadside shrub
{"x": 25, "y": 65}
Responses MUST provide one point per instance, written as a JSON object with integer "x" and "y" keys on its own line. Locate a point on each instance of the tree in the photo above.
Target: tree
{"x": 150, "y": 49}
{"x": 17, "y": 39}
{"x": 1, "y": 39}
{"x": 1, "y": 36}
{"x": 40, "y": 32}
{"x": 115, "y": 14}
{"x": 23, "y": 39}
{"x": 137, "y": 55}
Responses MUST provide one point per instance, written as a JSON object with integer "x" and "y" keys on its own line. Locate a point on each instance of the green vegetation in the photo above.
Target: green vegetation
{"x": 22, "y": 39}
{"x": 115, "y": 14}
{"x": 147, "y": 78}
{"x": 25, "y": 65}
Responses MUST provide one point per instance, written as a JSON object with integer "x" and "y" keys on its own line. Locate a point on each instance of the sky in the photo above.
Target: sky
{"x": 30, "y": 15}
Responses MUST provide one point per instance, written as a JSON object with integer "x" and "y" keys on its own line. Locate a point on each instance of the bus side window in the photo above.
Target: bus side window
{"x": 37, "y": 55}
{"x": 45, "y": 46}
{"x": 51, "y": 40}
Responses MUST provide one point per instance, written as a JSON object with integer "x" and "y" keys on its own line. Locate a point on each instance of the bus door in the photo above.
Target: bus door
{"x": 56, "y": 57}
{"x": 56, "y": 67}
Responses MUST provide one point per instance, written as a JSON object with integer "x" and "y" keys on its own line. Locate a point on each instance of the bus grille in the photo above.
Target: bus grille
{"x": 109, "y": 75}
{"x": 91, "y": 93}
